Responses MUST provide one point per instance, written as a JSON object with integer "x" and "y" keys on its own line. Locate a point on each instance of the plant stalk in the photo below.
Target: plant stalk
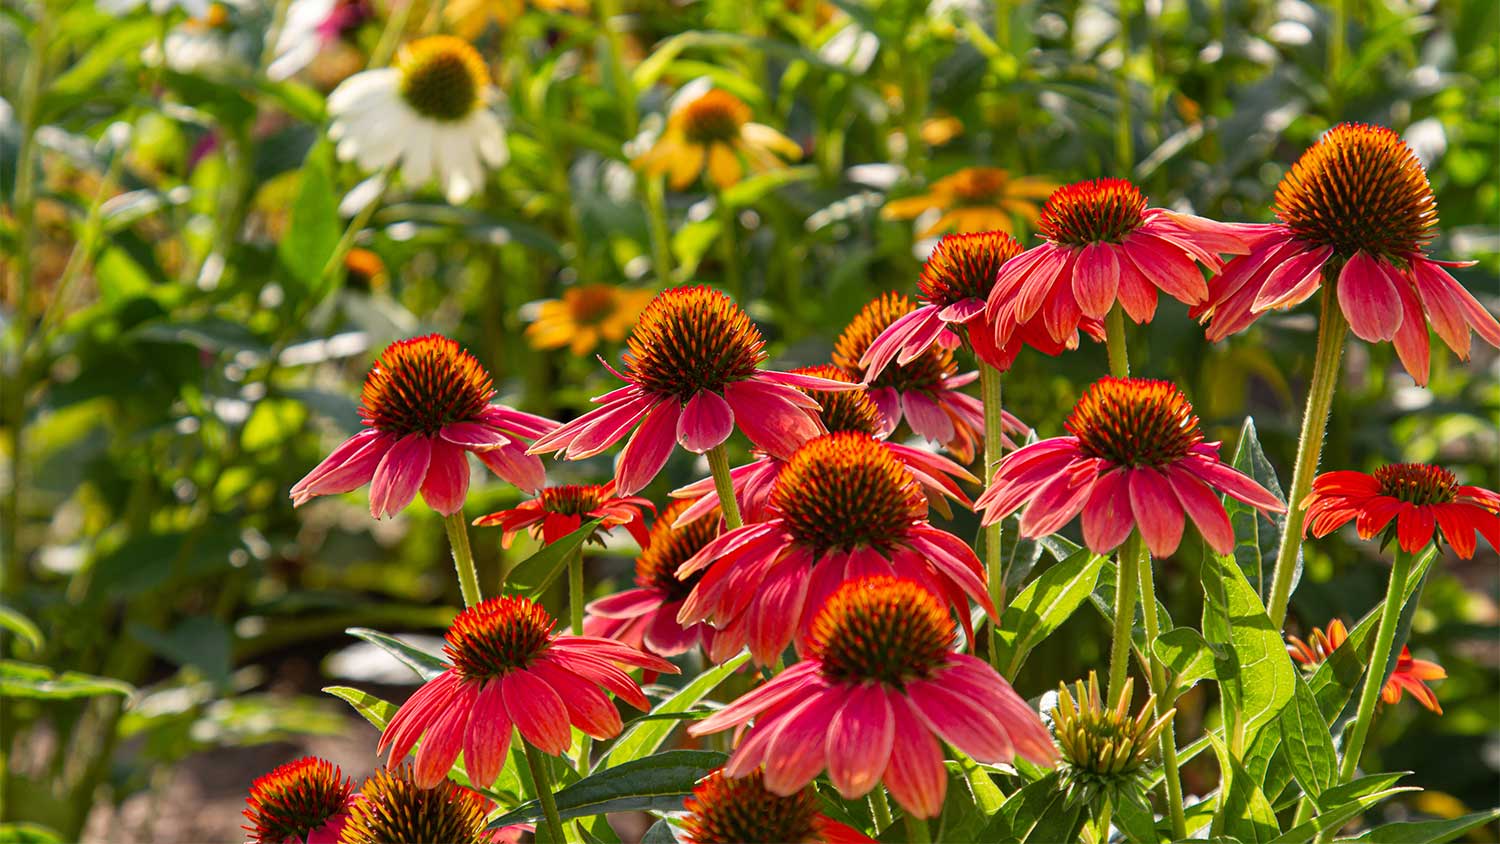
{"x": 994, "y": 560}
{"x": 1158, "y": 678}
{"x": 463, "y": 558}
{"x": 1114, "y": 342}
{"x": 718, "y": 464}
{"x": 1380, "y": 658}
{"x": 542, "y": 779}
{"x": 1126, "y": 562}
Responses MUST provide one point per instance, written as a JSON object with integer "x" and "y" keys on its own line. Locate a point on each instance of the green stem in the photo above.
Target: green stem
{"x": 390, "y": 37}
{"x": 1158, "y": 678}
{"x": 543, "y": 782}
{"x": 994, "y": 561}
{"x": 607, "y": 11}
{"x": 661, "y": 232}
{"x": 575, "y": 591}
{"x": 729, "y": 251}
{"x": 880, "y": 808}
{"x": 1101, "y": 822}
{"x": 1124, "y": 137}
{"x": 1127, "y": 560}
{"x": 1114, "y": 342}
{"x": 1332, "y": 328}
{"x": 356, "y": 225}
{"x": 1336, "y": 30}
{"x": 1378, "y": 668}
{"x": 916, "y": 829}
{"x": 463, "y": 558}
{"x": 718, "y": 464}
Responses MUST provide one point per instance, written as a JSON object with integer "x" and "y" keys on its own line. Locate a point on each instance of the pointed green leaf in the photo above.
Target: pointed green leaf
{"x": 1425, "y": 832}
{"x": 1306, "y": 743}
{"x": 1188, "y": 658}
{"x": 374, "y": 710}
{"x": 1036, "y": 814}
{"x": 20, "y": 625}
{"x": 1255, "y": 674}
{"x": 426, "y": 665}
{"x": 1258, "y": 538}
{"x": 657, "y": 783}
{"x": 314, "y": 230}
{"x": 1043, "y": 606}
{"x": 28, "y": 680}
{"x": 1244, "y": 813}
{"x": 533, "y": 575}
{"x": 1344, "y": 802}
{"x": 643, "y": 737}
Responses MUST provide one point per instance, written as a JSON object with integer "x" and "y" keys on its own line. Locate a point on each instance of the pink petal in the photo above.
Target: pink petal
{"x": 1205, "y": 509}
{"x": 777, "y": 609}
{"x": 518, "y": 422}
{"x": 1106, "y": 516}
{"x": 473, "y": 436}
{"x": 628, "y": 604}
{"x": 1368, "y": 299}
{"x": 1292, "y": 281}
{"x": 1157, "y": 513}
{"x": 416, "y": 715}
{"x": 537, "y": 711}
{"x": 353, "y": 463}
{"x": 805, "y": 382}
{"x": 926, "y": 418}
{"x": 511, "y": 462}
{"x": 488, "y": 738}
{"x": 795, "y": 754}
{"x": 1228, "y": 481}
{"x": 705, "y": 422}
{"x": 858, "y": 742}
{"x": 961, "y": 721}
{"x": 447, "y": 480}
{"x": 1166, "y": 267}
{"x": 769, "y": 419}
{"x": 1412, "y": 344}
{"x": 648, "y": 448}
{"x": 888, "y": 402}
{"x": 1095, "y": 280}
{"x": 1037, "y": 287}
{"x": 1137, "y": 293}
{"x": 1445, "y": 313}
{"x": 895, "y": 338}
{"x": 915, "y": 776}
{"x": 784, "y": 687}
{"x": 399, "y": 475}
{"x": 445, "y": 738}
{"x": 588, "y": 709}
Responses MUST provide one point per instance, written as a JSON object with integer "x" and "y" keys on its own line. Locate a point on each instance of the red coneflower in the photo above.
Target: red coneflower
{"x": 1105, "y": 246}
{"x": 852, "y": 411}
{"x": 559, "y": 510}
{"x": 693, "y": 367}
{"x": 394, "y": 805}
{"x": 842, "y": 507}
{"x": 510, "y": 669}
{"x": 303, "y": 801}
{"x": 1411, "y": 501}
{"x": 426, "y": 403}
{"x": 1136, "y": 459}
{"x": 955, "y": 282}
{"x": 924, "y": 391}
{"x": 646, "y": 617}
{"x": 880, "y": 683}
{"x": 1356, "y": 211}
{"x": 723, "y": 810}
{"x": 1409, "y": 675}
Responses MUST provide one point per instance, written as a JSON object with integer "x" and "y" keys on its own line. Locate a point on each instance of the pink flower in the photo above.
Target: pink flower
{"x": 1105, "y": 246}
{"x": 879, "y": 687}
{"x": 693, "y": 368}
{"x": 509, "y": 669}
{"x": 560, "y": 510}
{"x": 1136, "y": 459}
{"x": 426, "y": 403}
{"x": 306, "y": 800}
{"x": 1355, "y": 209}
{"x": 842, "y": 507}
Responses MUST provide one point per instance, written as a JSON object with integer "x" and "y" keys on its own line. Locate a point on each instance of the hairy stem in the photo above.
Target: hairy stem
{"x": 994, "y": 561}
{"x": 1128, "y": 559}
{"x": 1158, "y": 679}
{"x": 463, "y": 558}
{"x": 718, "y": 464}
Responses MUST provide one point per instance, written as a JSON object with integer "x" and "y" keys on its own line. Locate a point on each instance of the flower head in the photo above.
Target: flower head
{"x": 1103, "y": 245}
{"x": 1105, "y": 750}
{"x": 1412, "y": 502}
{"x": 1356, "y": 212}
{"x": 508, "y": 669}
{"x": 395, "y": 805}
{"x": 843, "y": 506}
{"x": 1135, "y": 460}
{"x": 646, "y": 617}
{"x": 559, "y": 510}
{"x": 426, "y": 114}
{"x": 585, "y": 316}
{"x": 306, "y": 800}
{"x": 714, "y": 128}
{"x": 1409, "y": 676}
{"x": 693, "y": 373}
{"x": 722, "y": 810}
{"x": 879, "y": 686}
{"x": 425, "y": 404}
{"x": 974, "y": 199}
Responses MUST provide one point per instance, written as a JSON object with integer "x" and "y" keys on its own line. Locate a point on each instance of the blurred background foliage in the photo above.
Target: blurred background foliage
{"x": 170, "y": 368}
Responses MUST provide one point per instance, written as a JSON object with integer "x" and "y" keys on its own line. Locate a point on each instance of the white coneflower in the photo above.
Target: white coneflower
{"x": 427, "y": 114}
{"x": 310, "y": 26}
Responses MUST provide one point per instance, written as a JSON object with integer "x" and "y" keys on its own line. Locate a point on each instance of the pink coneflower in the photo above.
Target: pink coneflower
{"x": 646, "y": 617}
{"x": 879, "y": 686}
{"x": 1105, "y": 246}
{"x": 425, "y": 404}
{"x": 925, "y": 392}
{"x": 852, "y": 411}
{"x": 394, "y": 805}
{"x": 510, "y": 669}
{"x": 955, "y": 282}
{"x": 844, "y": 506}
{"x": 559, "y": 510}
{"x": 1136, "y": 459}
{"x": 1356, "y": 212}
{"x": 1410, "y": 502}
{"x": 693, "y": 367}
{"x": 303, "y": 801}
{"x": 1410, "y": 674}
{"x": 722, "y": 810}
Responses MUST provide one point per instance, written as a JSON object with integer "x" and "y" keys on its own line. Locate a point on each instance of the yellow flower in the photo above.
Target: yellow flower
{"x": 975, "y": 199}
{"x": 715, "y": 129}
{"x": 586, "y": 315}
{"x": 470, "y": 17}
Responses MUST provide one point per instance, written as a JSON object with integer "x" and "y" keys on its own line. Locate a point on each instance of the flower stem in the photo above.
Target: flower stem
{"x": 1380, "y": 659}
{"x": 463, "y": 558}
{"x": 1114, "y": 342}
{"x": 916, "y": 830}
{"x": 543, "y": 782}
{"x": 1101, "y": 821}
{"x": 1128, "y": 559}
{"x": 880, "y": 808}
{"x": 356, "y": 225}
{"x": 1332, "y": 328}
{"x": 729, "y": 251}
{"x": 661, "y": 232}
{"x": 575, "y": 591}
{"x": 994, "y": 560}
{"x": 718, "y": 464}
{"x": 1158, "y": 679}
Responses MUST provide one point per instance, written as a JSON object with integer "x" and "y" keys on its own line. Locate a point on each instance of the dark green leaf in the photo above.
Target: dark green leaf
{"x": 645, "y": 736}
{"x": 1187, "y": 656}
{"x": 426, "y": 665}
{"x": 533, "y": 575}
{"x": 1038, "y": 813}
{"x": 1426, "y": 832}
{"x": 200, "y": 642}
{"x": 1258, "y": 537}
{"x": 1044, "y": 605}
{"x": 1306, "y": 743}
{"x": 655, "y": 784}
{"x": 1343, "y": 803}
{"x": 659, "y": 833}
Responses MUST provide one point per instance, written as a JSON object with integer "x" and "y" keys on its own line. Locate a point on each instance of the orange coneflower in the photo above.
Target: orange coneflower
{"x": 586, "y": 316}
{"x": 880, "y": 684}
{"x": 1409, "y": 675}
{"x": 1135, "y": 459}
{"x": 306, "y": 801}
{"x": 1410, "y": 501}
{"x": 1356, "y": 212}
{"x": 975, "y": 199}
{"x": 559, "y": 510}
{"x": 722, "y": 810}
{"x": 714, "y": 130}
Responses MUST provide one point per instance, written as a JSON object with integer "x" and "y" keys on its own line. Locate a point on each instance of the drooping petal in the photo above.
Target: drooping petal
{"x": 447, "y": 481}
{"x": 1157, "y": 513}
{"x": 350, "y": 466}
{"x": 1096, "y": 280}
{"x": 588, "y": 709}
{"x": 399, "y": 475}
{"x": 915, "y": 776}
{"x": 768, "y": 418}
{"x": 488, "y": 738}
{"x": 473, "y": 436}
{"x": 1107, "y": 517}
{"x": 1205, "y": 509}
{"x": 859, "y": 740}
{"x": 648, "y": 448}
{"x": 444, "y": 740}
{"x": 1368, "y": 299}
{"x": 514, "y": 465}
{"x": 706, "y": 421}
{"x": 796, "y": 753}
{"x": 537, "y": 711}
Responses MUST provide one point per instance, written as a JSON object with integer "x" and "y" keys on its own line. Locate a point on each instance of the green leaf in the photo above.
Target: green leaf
{"x": 659, "y": 833}
{"x": 1187, "y": 656}
{"x": 1306, "y": 743}
{"x": 1425, "y": 832}
{"x": 973, "y": 798}
{"x": 533, "y": 575}
{"x": 426, "y": 665}
{"x": 31, "y": 833}
{"x": 1039, "y": 812}
{"x": 1044, "y": 605}
{"x": 200, "y": 642}
{"x": 301, "y": 101}
{"x": 1259, "y": 539}
{"x": 20, "y": 625}
{"x": 666, "y": 52}
{"x": 657, "y": 783}
{"x": 1244, "y": 813}
{"x": 314, "y": 230}
{"x": 1344, "y": 802}
{"x": 1133, "y": 817}
{"x": 1254, "y": 673}
{"x": 374, "y": 710}
{"x": 28, "y": 680}
{"x": 644, "y": 736}
{"x": 755, "y": 188}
